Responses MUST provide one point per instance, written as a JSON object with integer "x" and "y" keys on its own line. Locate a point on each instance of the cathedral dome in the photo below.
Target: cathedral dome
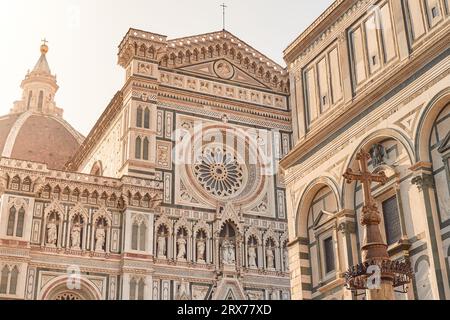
{"x": 38, "y": 137}
{"x": 35, "y": 129}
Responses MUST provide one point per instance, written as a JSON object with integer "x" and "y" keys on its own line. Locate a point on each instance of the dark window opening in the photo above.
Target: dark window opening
{"x": 41, "y": 100}
{"x": 391, "y": 221}
{"x": 329, "y": 255}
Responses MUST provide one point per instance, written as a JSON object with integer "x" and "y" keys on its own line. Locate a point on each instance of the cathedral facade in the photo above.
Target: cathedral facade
{"x": 373, "y": 76}
{"x": 174, "y": 194}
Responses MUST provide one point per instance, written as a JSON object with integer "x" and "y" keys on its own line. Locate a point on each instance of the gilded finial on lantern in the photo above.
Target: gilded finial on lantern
{"x": 44, "y": 47}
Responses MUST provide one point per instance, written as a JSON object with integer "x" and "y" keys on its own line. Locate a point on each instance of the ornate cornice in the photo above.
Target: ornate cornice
{"x": 181, "y": 52}
{"x": 388, "y": 80}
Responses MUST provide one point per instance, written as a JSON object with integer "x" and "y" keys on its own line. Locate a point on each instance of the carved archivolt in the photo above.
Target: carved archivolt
{"x": 18, "y": 203}
{"x": 182, "y": 223}
{"x": 78, "y": 209}
{"x": 202, "y": 225}
{"x": 270, "y": 234}
{"x": 55, "y": 206}
{"x": 102, "y": 213}
{"x": 229, "y": 214}
{"x": 140, "y": 219}
{"x": 253, "y": 232}
{"x": 164, "y": 221}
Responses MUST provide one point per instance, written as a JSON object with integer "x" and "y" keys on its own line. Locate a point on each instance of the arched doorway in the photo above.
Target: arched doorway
{"x": 67, "y": 288}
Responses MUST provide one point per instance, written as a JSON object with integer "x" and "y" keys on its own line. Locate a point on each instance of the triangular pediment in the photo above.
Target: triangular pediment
{"x": 212, "y": 69}
{"x": 229, "y": 289}
{"x": 224, "y": 56}
{"x": 322, "y": 219}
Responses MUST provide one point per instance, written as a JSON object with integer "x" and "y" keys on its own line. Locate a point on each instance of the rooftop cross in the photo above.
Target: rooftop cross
{"x": 223, "y": 14}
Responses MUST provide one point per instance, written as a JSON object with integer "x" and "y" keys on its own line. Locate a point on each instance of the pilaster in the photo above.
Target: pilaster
{"x": 424, "y": 180}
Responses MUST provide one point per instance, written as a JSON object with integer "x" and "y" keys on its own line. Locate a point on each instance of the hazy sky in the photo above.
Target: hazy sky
{"x": 83, "y": 37}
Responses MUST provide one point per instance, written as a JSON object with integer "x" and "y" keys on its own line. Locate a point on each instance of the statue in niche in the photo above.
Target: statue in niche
{"x": 75, "y": 236}
{"x": 228, "y": 253}
{"x": 183, "y": 290}
{"x": 201, "y": 246}
{"x": 270, "y": 258}
{"x": 181, "y": 248}
{"x": 252, "y": 257}
{"x": 377, "y": 153}
{"x": 162, "y": 246}
{"x": 286, "y": 259}
{"x": 100, "y": 236}
{"x": 52, "y": 232}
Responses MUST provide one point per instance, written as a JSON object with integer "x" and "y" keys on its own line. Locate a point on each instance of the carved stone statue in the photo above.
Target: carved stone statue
{"x": 228, "y": 253}
{"x": 162, "y": 246}
{"x": 181, "y": 249}
{"x": 201, "y": 246}
{"x": 270, "y": 258}
{"x": 252, "y": 257}
{"x": 286, "y": 259}
{"x": 183, "y": 291}
{"x": 52, "y": 232}
{"x": 100, "y": 236}
{"x": 377, "y": 153}
{"x": 75, "y": 236}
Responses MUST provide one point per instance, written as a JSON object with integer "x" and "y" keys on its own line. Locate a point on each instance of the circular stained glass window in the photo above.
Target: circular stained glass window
{"x": 219, "y": 172}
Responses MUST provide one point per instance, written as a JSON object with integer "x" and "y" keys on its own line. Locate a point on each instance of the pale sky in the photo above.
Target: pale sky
{"x": 83, "y": 37}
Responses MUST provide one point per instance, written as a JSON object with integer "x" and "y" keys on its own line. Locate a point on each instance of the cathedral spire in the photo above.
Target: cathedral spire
{"x": 39, "y": 88}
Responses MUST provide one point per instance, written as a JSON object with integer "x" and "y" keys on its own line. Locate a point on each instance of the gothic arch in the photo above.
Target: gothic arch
{"x": 253, "y": 232}
{"x": 140, "y": 219}
{"x": 55, "y": 206}
{"x": 164, "y": 221}
{"x": 80, "y": 210}
{"x": 202, "y": 225}
{"x": 97, "y": 169}
{"x": 233, "y": 224}
{"x": 301, "y": 220}
{"x": 58, "y": 286}
{"x": 182, "y": 223}
{"x": 102, "y": 213}
{"x": 426, "y": 122}
{"x": 270, "y": 234}
{"x": 18, "y": 203}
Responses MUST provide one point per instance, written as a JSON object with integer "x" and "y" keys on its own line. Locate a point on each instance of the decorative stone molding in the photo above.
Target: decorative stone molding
{"x": 423, "y": 181}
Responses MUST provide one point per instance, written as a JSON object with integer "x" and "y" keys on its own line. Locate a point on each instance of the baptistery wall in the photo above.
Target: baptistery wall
{"x": 371, "y": 77}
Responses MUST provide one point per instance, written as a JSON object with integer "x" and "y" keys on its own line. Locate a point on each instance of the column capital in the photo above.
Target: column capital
{"x": 423, "y": 181}
{"x": 347, "y": 227}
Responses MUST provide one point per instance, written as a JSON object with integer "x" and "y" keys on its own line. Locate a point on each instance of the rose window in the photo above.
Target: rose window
{"x": 219, "y": 172}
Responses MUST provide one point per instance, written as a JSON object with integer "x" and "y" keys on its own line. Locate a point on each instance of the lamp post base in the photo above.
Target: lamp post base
{"x": 384, "y": 292}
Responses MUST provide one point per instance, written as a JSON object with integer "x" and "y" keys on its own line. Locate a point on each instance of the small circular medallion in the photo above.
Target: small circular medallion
{"x": 224, "y": 69}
